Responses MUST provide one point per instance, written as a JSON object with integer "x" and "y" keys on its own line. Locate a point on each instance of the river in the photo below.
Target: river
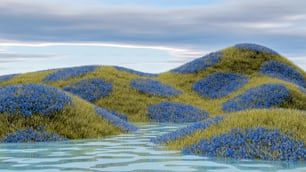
{"x": 125, "y": 152}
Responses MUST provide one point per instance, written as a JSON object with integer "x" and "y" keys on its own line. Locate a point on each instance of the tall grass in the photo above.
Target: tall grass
{"x": 288, "y": 121}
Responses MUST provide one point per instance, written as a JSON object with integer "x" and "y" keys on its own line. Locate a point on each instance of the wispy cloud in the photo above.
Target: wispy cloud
{"x": 142, "y": 24}
{"x": 11, "y": 57}
{"x": 176, "y": 52}
{"x": 183, "y": 28}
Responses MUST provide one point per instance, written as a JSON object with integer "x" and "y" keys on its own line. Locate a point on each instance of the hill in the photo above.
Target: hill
{"x": 238, "y": 83}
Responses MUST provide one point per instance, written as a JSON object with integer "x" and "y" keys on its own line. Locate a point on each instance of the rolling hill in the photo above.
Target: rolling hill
{"x": 242, "y": 90}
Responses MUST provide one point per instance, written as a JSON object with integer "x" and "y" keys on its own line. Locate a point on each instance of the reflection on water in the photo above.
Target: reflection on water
{"x": 126, "y": 152}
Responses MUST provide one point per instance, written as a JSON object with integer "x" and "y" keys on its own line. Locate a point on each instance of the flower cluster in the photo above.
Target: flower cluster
{"x": 199, "y": 64}
{"x": 175, "y": 112}
{"x": 250, "y": 143}
{"x": 283, "y": 71}
{"x": 135, "y": 72}
{"x": 32, "y": 135}
{"x": 119, "y": 115}
{"x": 26, "y": 99}
{"x": 255, "y": 47}
{"x": 65, "y": 73}
{"x": 90, "y": 89}
{"x": 186, "y": 130}
{"x": 302, "y": 89}
{"x": 262, "y": 96}
{"x": 153, "y": 87}
{"x": 115, "y": 120}
{"x": 7, "y": 77}
{"x": 219, "y": 84}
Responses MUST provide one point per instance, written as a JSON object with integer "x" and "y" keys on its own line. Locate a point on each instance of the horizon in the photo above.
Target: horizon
{"x": 153, "y": 36}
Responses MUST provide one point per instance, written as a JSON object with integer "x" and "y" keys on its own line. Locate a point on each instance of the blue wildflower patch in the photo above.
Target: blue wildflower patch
{"x": 283, "y": 71}
{"x": 115, "y": 120}
{"x": 186, "y": 130}
{"x": 302, "y": 89}
{"x": 26, "y": 99}
{"x": 262, "y": 96}
{"x": 199, "y": 64}
{"x": 7, "y": 77}
{"x": 65, "y": 73}
{"x": 153, "y": 87}
{"x": 219, "y": 84}
{"x": 250, "y": 143}
{"x": 255, "y": 47}
{"x": 90, "y": 89}
{"x": 135, "y": 72}
{"x": 175, "y": 112}
{"x": 32, "y": 135}
{"x": 119, "y": 115}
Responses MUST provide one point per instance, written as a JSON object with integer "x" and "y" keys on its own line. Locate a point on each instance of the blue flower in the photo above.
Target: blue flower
{"x": 65, "y": 73}
{"x": 31, "y": 135}
{"x": 262, "y": 96}
{"x": 119, "y": 115}
{"x": 255, "y": 47}
{"x": 250, "y": 143}
{"x": 26, "y": 99}
{"x": 199, "y": 64}
{"x": 283, "y": 71}
{"x": 135, "y": 72}
{"x": 186, "y": 130}
{"x": 175, "y": 112}
{"x": 90, "y": 89}
{"x": 302, "y": 89}
{"x": 115, "y": 120}
{"x": 7, "y": 77}
{"x": 219, "y": 84}
{"x": 153, "y": 87}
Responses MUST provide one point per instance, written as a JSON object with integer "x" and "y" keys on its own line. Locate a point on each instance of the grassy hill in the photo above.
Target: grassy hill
{"x": 248, "y": 83}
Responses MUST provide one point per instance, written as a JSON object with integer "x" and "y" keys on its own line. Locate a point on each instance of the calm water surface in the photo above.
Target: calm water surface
{"x": 126, "y": 152}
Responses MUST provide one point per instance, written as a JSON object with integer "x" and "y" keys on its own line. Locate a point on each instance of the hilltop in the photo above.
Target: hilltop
{"x": 248, "y": 83}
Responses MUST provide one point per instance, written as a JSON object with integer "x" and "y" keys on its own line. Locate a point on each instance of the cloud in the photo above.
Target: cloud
{"x": 186, "y": 30}
{"x": 183, "y": 25}
{"x": 11, "y": 57}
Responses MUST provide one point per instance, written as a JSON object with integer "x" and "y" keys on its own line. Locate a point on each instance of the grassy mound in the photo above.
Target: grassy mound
{"x": 153, "y": 87}
{"x": 262, "y": 96}
{"x": 288, "y": 121}
{"x": 199, "y": 64}
{"x": 7, "y": 77}
{"x": 90, "y": 89}
{"x": 26, "y": 107}
{"x": 283, "y": 71}
{"x": 135, "y": 72}
{"x": 238, "y": 78}
{"x": 250, "y": 143}
{"x": 255, "y": 47}
{"x": 219, "y": 84}
{"x": 175, "y": 112}
{"x": 115, "y": 119}
{"x": 186, "y": 130}
{"x": 68, "y": 73}
{"x": 27, "y": 99}
{"x": 31, "y": 135}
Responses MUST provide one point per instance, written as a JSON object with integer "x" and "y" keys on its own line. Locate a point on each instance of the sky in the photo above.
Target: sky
{"x": 146, "y": 35}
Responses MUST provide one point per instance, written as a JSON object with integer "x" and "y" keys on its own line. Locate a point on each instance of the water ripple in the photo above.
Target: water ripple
{"x": 125, "y": 152}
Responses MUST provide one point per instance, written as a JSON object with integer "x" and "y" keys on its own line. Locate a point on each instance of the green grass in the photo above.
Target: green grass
{"x": 77, "y": 121}
{"x": 291, "y": 122}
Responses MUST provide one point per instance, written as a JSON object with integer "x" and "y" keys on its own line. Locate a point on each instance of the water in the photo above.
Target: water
{"x": 126, "y": 152}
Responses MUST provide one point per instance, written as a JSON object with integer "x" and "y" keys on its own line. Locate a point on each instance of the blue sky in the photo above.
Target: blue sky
{"x": 151, "y": 36}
